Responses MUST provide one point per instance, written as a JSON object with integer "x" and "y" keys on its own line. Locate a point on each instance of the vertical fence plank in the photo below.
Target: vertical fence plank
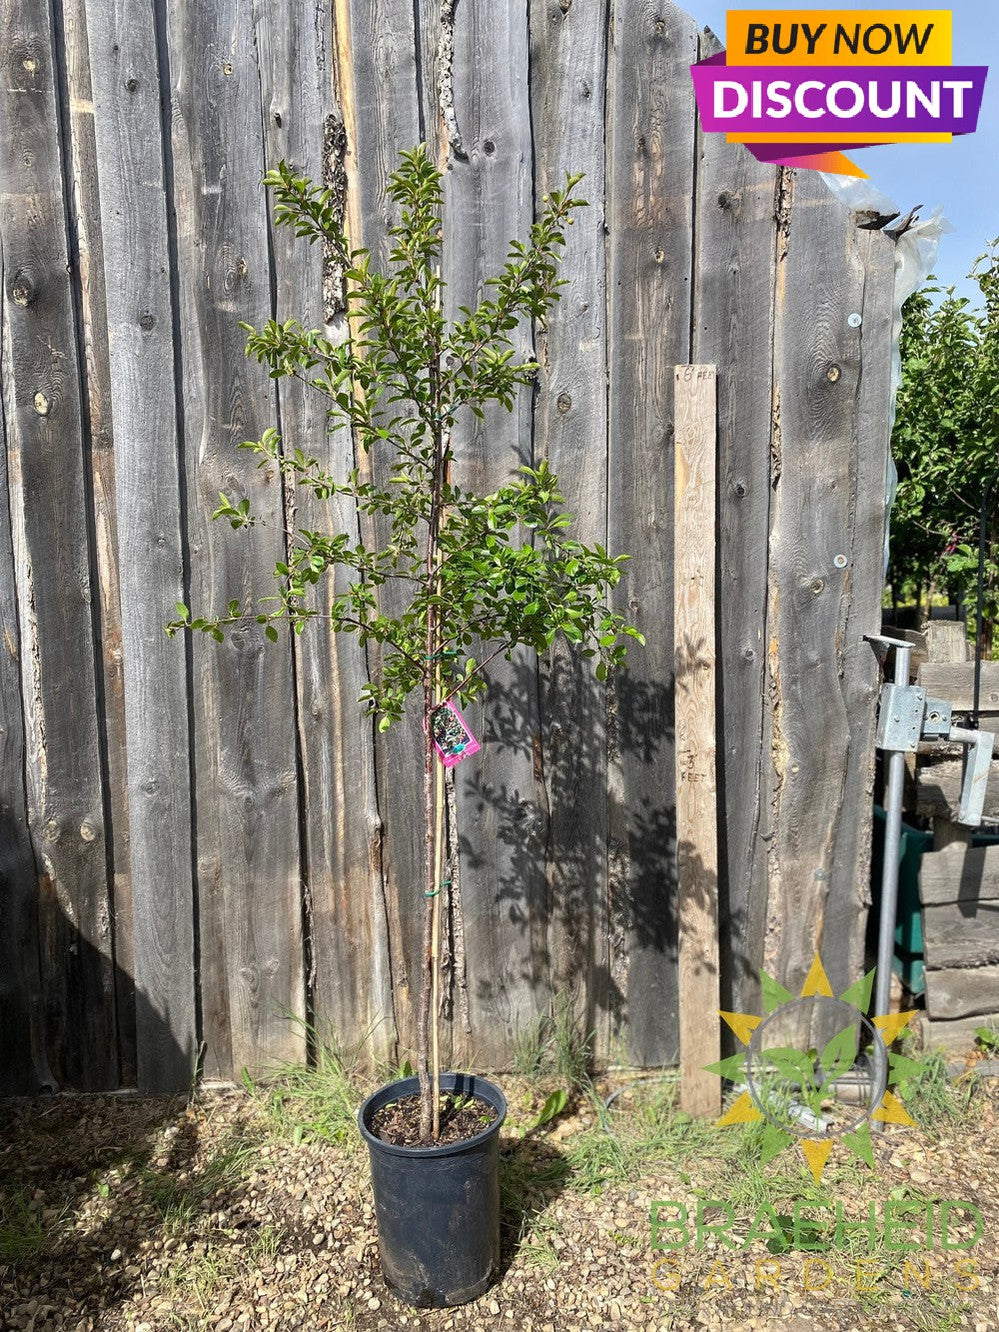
{"x": 739, "y": 220}
{"x": 695, "y": 657}
{"x": 568, "y": 68}
{"x": 863, "y": 539}
{"x": 377, "y": 50}
{"x": 249, "y": 882}
{"x": 23, "y": 1063}
{"x": 44, "y": 423}
{"x": 342, "y": 830}
{"x": 142, "y": 327}
{"x": 650, "y": 127}
{"x": 88, "y": 255}
{"x": 502, "y": 818}
{"x": 821, "y": 741}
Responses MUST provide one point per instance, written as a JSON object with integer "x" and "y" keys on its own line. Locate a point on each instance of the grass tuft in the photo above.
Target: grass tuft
{"x": 22, "y": 1234}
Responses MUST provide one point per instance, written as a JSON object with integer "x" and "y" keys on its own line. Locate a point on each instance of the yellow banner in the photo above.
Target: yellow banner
{"x": 839, "y": 37}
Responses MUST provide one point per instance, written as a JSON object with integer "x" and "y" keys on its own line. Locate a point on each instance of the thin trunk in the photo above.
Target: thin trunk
{"x": 428, "y": 1086}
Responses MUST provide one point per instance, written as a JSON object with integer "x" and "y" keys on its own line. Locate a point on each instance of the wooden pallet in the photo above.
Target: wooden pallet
{"x": 958, "y": 883}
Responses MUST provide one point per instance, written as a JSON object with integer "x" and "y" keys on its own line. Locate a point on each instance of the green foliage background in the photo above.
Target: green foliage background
{"x": 946, "y": 436}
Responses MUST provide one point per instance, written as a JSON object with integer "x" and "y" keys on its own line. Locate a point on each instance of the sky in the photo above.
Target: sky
{"x": 962, "y": 176}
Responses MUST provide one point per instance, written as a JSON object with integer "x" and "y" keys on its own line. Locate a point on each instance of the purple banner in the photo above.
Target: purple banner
{"x": 838, "y": 100}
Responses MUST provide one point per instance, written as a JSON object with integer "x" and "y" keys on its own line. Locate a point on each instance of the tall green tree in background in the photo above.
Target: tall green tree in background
{"x": 946, "y": 437}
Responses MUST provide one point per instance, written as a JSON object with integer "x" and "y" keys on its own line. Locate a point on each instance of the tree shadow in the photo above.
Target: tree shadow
{"x": 533, "y": 1174}
{"x": 574, "y": 789}
{"x": 59, "y": 1152}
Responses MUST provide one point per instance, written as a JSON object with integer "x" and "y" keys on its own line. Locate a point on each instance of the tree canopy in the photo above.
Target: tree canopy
{"x": 946, "y": 435}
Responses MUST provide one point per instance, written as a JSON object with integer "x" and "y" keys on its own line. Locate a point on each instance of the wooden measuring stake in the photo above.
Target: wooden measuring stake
{"x": 696, "y": 784}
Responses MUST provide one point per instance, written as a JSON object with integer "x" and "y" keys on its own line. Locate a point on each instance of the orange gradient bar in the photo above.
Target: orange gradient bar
{"x": 856, "y": 37}
{"x": 853, "y": 139}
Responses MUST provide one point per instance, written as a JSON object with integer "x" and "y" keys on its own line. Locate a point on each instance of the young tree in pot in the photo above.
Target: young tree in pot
{"x": 489, "y": 572}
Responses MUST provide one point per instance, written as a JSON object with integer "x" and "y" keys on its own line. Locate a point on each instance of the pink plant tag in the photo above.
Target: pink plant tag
{"x": 452, "y": 738}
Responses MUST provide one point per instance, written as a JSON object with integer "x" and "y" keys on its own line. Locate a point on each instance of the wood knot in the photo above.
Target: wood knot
{"x": 740, "y": 488}
{"x": 725, "y": 200}
{"x": 833, "y": 373}
{"x": 227, "y": 68}
{"x": 564, "y": 403}
{"x": 42, "y": 406}
{"x": 146, "y": 322}
{"x": 22, "y": 292}
{"x": 488, "y": 147}
{"x": 132, "y": 85}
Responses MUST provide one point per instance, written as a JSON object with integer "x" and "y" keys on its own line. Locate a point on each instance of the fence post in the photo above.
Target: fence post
{"x": 696, "y": 783}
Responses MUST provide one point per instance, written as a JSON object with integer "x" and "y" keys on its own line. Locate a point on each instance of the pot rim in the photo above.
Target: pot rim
{"x": 392, "y": 1091}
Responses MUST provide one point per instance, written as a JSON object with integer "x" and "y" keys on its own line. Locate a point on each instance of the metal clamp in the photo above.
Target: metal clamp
{"x": 907, "y": 717}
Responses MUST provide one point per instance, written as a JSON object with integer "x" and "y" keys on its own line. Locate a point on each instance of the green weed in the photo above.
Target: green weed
{"x": 22, "y": 1234}
{"x": 317, "y": 1102}
{"x": 555, "y": 1044}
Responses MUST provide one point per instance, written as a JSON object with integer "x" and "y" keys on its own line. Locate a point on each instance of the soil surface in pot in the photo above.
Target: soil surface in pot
{"x": 461, "y": 1117}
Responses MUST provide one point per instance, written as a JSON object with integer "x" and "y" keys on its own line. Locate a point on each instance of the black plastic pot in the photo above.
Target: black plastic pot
{"x": 437, "y": 1207}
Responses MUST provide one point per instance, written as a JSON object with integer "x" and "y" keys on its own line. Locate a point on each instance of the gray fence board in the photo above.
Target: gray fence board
{"x": 52, "y": 575}
{"x": 735, "y": 261}
{"x": 23, "y": 1062}
{"x": 345, "y": 902}
{"x": 501, "y": 807}
{"x": 819, "y": 781}
{"x": 83, "y": 200}
{"x": 247, "y": 789}
{"x": 377, "y": 50}
{"x": 568, "y": 69}
{"x": 141, "y": 329}
{"x": 650, "y": 121}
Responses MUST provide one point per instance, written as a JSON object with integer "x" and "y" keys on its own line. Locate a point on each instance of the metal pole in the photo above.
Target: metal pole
{"x": 889, "y": 869}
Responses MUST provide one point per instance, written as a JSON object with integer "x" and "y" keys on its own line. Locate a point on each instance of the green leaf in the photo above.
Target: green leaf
{"x": 838, "y": 1054}
{"x": 774, "y": 994}
{"x": 859, "y": 995}
{"x": 271, "y": 633}
{"x": 553, "y": 1106}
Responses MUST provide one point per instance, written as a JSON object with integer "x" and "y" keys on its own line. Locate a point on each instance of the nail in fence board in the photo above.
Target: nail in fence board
{"x": 695, "y": 665}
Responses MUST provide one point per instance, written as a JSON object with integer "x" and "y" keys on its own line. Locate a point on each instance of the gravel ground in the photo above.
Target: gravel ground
{"x": 147, "y": 1215}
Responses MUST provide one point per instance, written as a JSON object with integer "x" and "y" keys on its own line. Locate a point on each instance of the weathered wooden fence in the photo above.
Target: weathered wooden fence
{"x": 198, "y": 842}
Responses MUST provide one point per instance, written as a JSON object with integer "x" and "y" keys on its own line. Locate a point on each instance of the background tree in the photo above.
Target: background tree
{"x": 946, "y": 437}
